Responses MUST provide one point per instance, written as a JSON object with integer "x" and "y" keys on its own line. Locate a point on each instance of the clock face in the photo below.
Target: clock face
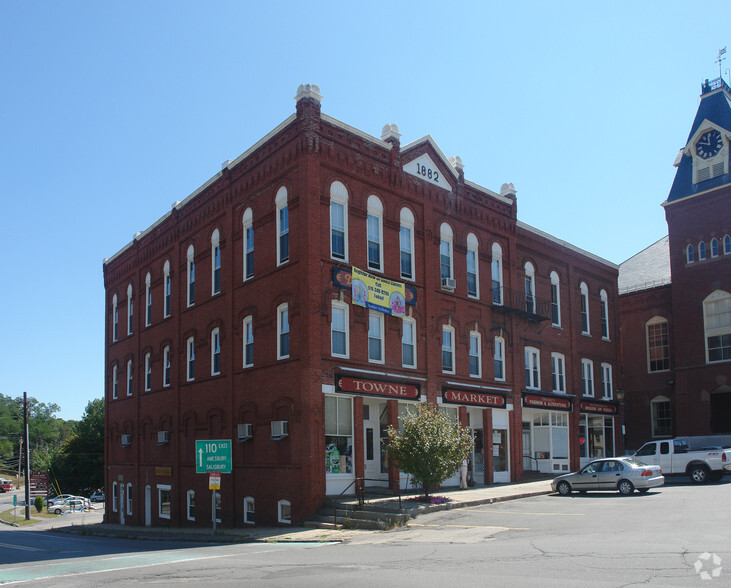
{"x": 709, "y": 144}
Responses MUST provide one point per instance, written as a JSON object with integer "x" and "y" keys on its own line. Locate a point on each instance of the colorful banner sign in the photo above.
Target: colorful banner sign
{"x": 473, "y": 398}
{"x": 376, "y": 293}
{"x": 343, "y": 278}
{"x": 598, "y": 407}
{"x": 378, "y": 388}
{"x": 535, "y": 401}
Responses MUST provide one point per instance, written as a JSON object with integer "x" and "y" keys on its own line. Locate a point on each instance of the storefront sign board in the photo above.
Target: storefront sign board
{"x": 535, "y": 401}
{"x": 473, "y": 398}
{"x": 598, "y": 407}
{"x": 378, "y": 388}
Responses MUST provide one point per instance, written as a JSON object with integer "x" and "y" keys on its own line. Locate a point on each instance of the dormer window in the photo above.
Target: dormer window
{"x": 709, "y": 155}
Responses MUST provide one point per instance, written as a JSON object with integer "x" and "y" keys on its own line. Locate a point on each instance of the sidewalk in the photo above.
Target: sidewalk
{"x": 90, "y": 523}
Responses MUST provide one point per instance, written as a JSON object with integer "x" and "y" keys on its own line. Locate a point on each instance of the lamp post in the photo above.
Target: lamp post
{"x": 620, "y": 397}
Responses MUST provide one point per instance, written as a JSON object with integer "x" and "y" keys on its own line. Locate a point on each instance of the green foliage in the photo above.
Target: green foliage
{"x": 38, "y": 503}
{"x": 429, "y": 445}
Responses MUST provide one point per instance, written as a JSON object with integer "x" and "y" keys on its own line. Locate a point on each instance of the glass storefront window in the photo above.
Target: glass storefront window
{"x": 598, "y": 434}
{"x": 338, "y": 435}
{"x": 500, "y": 450}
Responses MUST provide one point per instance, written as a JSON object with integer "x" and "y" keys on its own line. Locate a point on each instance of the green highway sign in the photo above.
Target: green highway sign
{"x": 213, "y": 455}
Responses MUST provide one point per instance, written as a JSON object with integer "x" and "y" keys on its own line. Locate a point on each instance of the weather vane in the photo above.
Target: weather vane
{"x": 719, "y": 59}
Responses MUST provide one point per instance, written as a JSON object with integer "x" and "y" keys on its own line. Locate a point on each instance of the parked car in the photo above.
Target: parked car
{"x": 58, "y": 499}
{"x": 73, "y": 504}
{"x": 6, "y": 485}
{"x": 97, "y": 497}
{"x": 623, "y": 474}
{"x": 674, "y": 457}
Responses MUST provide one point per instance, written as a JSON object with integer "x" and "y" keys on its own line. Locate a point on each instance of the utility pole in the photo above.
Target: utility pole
{"x": 26, "y": 453}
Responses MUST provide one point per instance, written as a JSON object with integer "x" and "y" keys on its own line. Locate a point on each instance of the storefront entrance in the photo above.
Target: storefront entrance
{"x": 375, "y": 436}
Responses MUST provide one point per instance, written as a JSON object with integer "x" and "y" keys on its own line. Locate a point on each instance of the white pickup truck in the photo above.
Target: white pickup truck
{"x": 673, "y": 457}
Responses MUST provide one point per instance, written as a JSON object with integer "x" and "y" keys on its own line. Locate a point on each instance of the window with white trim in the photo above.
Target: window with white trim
{"x": 717, "y": 323}
{"x": 166, "y": 366}
{"x": 446, "y": 267}
{"x": 701, "y": 251}
{"x": 282, "y": 226}
{"x": 115, "y": 381}
{"x": 339, "y": 330}
{"x": 727, "y": 244}
{"x": 658, "y": 345}
{"x": 284, "y": 512}
{"x": 129, "y": 377}
{"x": 689, "y": 256}
{"x": 163, "y": 501}
{"x": 406, "y": 244}
{"x": 530, "y": 288}
{"x": 496, "y": 268}
{"x": 248, "y": 341}
{"x": 215, "y": 263}
{"x": 283, "y": 331}
{"x": 190, "y": 359}
{"x": 374, "y": 230}
{"x": 190, "y": 505}
{"x": 499, "y": 359}
{"x": 148, "y": 300}
{"x": 447, "y": 349}
{"x": 216, "y": 352}
{"x": 115, "y": 318}
{"x": 249, "y": 510}
{"x": 604, "y": 308}
{"x": 148, "y": 372}
{"x": 473, "y": 266}
{"x": 532, "y": 368}
{"x": 190, "y": 264}
{"x": 338, "y": 221}
{"x": 661, "y": 417}
{"x": 584, "y": 293}
{"x": 129, "y": 498}
{"x": 558, "y": 373}
{"x": 375, "y": 337}
{"x": 130, "y": 310}
{"x": 555, "y": 300}
{"x": 587, "y": 377}
{"x": 248, "y": 226}
{"x": 168, "y": 285}
{"x": 115, "y": 496}
{"x": 475, "y": 354}
{"x": 714, "y": 247}
{"x": 607, "y": 390}
{"x": 408, "y": 342}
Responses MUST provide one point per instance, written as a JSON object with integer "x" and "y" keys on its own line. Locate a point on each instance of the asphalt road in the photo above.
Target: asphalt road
{"x": 657, "y": 539}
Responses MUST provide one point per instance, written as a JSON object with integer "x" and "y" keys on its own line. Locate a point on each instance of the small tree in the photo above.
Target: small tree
{"x": 430, "y": 445}
{"x": 39, "y": 503}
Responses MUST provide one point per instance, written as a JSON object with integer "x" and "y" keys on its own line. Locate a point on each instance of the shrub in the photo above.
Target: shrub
{"x": 39, "y": 503}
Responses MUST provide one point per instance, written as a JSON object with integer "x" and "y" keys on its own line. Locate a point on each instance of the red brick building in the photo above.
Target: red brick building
{"x": 245, "y": 314}
{"x": 675, "y": 303}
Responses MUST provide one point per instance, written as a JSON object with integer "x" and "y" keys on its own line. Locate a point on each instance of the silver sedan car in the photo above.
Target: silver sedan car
{"x": 623, "y": 474}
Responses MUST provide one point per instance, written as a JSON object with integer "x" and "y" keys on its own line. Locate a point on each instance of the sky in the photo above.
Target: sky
{"x": 112, "y": 111}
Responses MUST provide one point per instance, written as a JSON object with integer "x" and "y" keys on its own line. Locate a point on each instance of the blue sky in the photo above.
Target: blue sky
{"x": 110, "y": 112}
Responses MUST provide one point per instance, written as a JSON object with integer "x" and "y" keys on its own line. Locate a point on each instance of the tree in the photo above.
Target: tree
{"x": 429, "y": 445}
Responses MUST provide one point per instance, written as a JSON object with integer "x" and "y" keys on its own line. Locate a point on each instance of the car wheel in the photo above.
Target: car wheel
{"x": 699, "y": 474}
{"x": 564, "y": 488}
{"x": 625, "y": 487}
{"x": 57, "y": 511}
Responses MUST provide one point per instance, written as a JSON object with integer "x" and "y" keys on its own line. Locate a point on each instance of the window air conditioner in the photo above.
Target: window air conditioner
{"x": 163, "y": 437}
{"x": 280, "y": 429}
{"x": 246, "y": 431}
{"x": 126, "y": 440}
{"x": 449, "y": 283}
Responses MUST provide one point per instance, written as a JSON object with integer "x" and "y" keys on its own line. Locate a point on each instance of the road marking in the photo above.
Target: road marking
{"x": 539, "y": 514}
{"x": 20, "y": 547}
{"x": 471, "y": 527}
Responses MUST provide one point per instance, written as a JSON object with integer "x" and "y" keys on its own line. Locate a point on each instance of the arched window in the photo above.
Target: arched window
{"x": 701, "y": 251}
{"x": 604, "y": 308}
{"x": 115, "y": 381}
{"x": 168, "y": 288}
{"x": 532, "y": 368}
{"x": 607, "y": 390}
{"x": 408, "y": 342}
{"x": 148, "y": 372}
{"x": 496, "y": 268}
{"x": 130, "y": 310}
{"x": 584, "y": 294}
{"x": 166, "y": 366}
{"x": 283, "y": 331}
{"x": 473, "y": 266}
{"x": 339, "y": 330}
{"x": 447, "y": 349}
{"x": 530, "y": 291}
{"x": 282, "y": 226}
{"x": 717, "y": 322}
{"x": 446, "y": 265}
{"x": 338, "y": 221}
{"x": 248, "y": 334}
{"x": 555, "y": 300}
{"x": 148, "y": 300}
{"x": 129, "y": 377}
{"x": 374, "y": 231}
{"x": 475, "y": 354}
{"x": 499, "y": 359}
{"x": 689, "y": 256}
{"x": 587, "y": 377}
{"x": 714, "y": 247}
{"x": 248, "y": 224}
{"x": 190, "y": 257}
{"x": 558, "y": 373}
{"x": 727, "y": 245}
{"x": 115, "y": 318}
{"x": 215, "y": 352}
{"x": 406, "y": 244}
{"x": 661, "y": 417}
{"x": 190, "y": 359}
{"x": 215, "y": 263}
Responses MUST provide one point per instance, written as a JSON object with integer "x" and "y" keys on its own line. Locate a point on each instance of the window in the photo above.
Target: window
{"x": 339, "y": 435}
{"x": 282, "y": 226}
{"x": 148, "y": 300}
{"x": 375, "y": 337}
{"x": 190, "y": 350}
{"x": 248, "y": 341}
{"x": 587, "y": 377}
{"x": 374, "y": 231}
{"x": 717, "y": 321}
{"x": 727, "y": 244}
{"x": 604, "y": 306}
{"x": 338, "y": 221}
{"x": 532, "y": 368}
{"x": 282, "y": 331}
{"x": 339, "y": 329}
{"x": 215, "y": 352}
{"x": 191, "y": 275}
{"x": 148, "y": 373}
{"x": 607, "y": 391}
{"x": 168, "y": 288}
{"x": 215, "y": 263}
{"x": 163, "y": 501}
{"x": 499, "y": 358}
{"x": 661, "y": 417}
{"x": 406, "y": 244}
{"x": 166, "y": 366}
{"x": 701, "y": 251}
{"x": 247, "y": 221}
{"x": 714, "y": 247}
{"x": 130, "y": 310}
{"x": 115, "y": 496}
{"x": 473, "y": 287}
{"x": 658, "y": 345}
{"x": 190, "y": 505}
{"x": 530, "y": 292}
{"x": 114, "y": 381}
{"x": 115, "y": 318}
{"x": 129, "y": 498}
{"x": 284, "y": 512}
{"x": 445, "y": 251}
{"x": 496, "y": 269}
{"x": 249, "y": 511}
{"x": 558, "y": 370}
{"x": 584, "y": 308}
{"x": 555, "y": 300}
{"x": 447, "y": 349}
{"x": 690, "y": 258}
{"x": 129, "y": 377}
{"x": 475, "y": 355}
{"x": 408, "y": 342}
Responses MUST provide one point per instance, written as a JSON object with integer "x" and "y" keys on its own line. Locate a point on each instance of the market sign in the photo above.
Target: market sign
{"x": 378, "y": 388}
{"x": 473, "y": 398}
{"x": 213, "y": 455}
{"x": 343, "y": 278}
{"x": 536, "y": 401}
{"x": 598, "y": 407}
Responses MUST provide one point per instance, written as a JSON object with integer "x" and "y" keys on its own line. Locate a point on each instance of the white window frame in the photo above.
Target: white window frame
{"x": 726, "y": 244}
{"x": 249, "y": 500}
{"x": 166, "y": 367}
{"x": 607, "y": 387}
{"x": 473, "y": 259}
{"x": 282, "y": 211}
{"x": 190, "y": 359}
{"x": 160, "y": 489}
{"x": 406, "y": 246}
{"x": 129, "y": 498}
{"x": 530, "y": 288}
{"x": 148, "y": 372}
{"x": 215, "y": 262}
{"x": 190, "y": 502}
{"x": 130, "y": 310}
{"x": 129, "y": 377}
{"x": 558, "y": 373}
{"x": 374, "y": 232}
{"x": 247, "y": 222}
{"x": 555, "y": 299}
{"x": 248, "y": 340}
{"x": 475, "y": 351}
{"x": 148, "y": 300}
{"x": 283, "y": 330}
{"x": 532, "y": 368}
{"x": 284, "y": 512}
{"x": 654, "y": 417}
{"x": 448, "y": 340}
{"x": 718, "y": 323}
{"x": 115, "y": 382}
{"x": 499, "y": 359}
{"x": 496, "y": 274}
{"x": 655, "y": 322}
{"x": 340, "y": 309}
{"x": 115, "y": 318}
{"x": 446, "y": 250}
{"x": 190, "y": 276}
{"x": 701, "y": 250}
{"x": 339, "y": 197}
{"x": 167, "y": 301}
{"x": 408, "y": 325}
{"x": 714, "y": 247}
{"x": 376, "y": 319}
{"x": 587, "y": 378}
{"x": 115, "y": 496}
{"x": 604, "y": 311}
{"x": 689, "y": 254}
{"x": 584, "y": 309}
{"x": 216, "y": 351}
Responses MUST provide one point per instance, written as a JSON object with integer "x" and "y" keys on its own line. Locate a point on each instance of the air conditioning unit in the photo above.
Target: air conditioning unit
{"x": 126, "y": 440}
{"x": 163, "y": 437}
{"x": 280, "y": 429}
{"x": 246, "y": 431}
{"x": 449, "y": 283}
